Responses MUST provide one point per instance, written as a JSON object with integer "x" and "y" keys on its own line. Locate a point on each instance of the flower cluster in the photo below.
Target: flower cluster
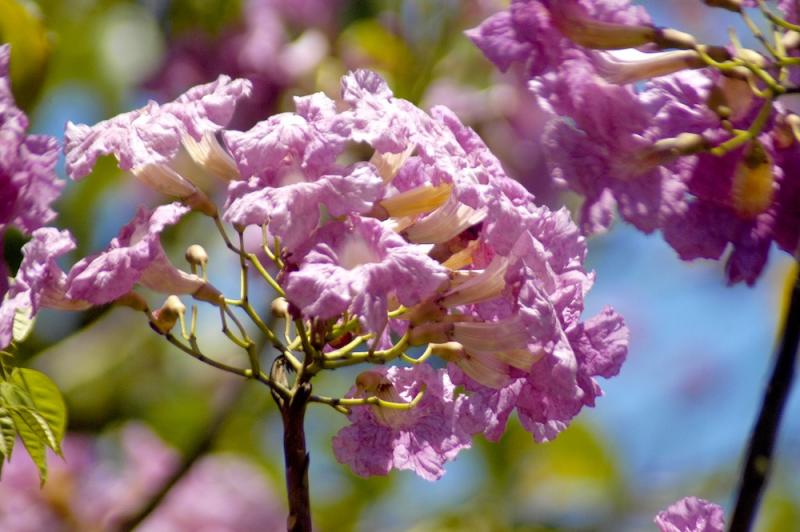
{"x": 432, "y": 233}
{"x": 690, "y": 141}
{"x": 427, "y": 240}
{"x": 145, "y": 142}
{"x": 93, "y": 490}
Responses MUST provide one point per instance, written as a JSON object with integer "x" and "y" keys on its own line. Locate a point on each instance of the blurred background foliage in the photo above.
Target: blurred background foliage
{"x": 673, "y": 424}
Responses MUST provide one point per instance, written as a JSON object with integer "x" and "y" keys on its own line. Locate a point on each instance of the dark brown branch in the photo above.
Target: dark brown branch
{"x": 296, "y": 459}
{"x": 762, "y": 442}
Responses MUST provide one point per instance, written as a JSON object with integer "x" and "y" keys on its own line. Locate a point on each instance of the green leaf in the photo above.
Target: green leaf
{"x": 8, "y": 435}
{"x": 30, "y": 432}
{"x": 46, "y": 402}
{"x": 23, "y": 325}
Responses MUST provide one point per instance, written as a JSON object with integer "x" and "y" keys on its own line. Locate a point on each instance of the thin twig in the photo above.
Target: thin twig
{"x": 762, "y": 441}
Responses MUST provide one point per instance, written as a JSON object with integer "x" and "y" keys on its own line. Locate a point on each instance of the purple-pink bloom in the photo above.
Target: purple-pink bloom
{"x": 289, "y": 162}
{"x": 28, "y": 182}
{"x": 421, "y": 439}
{"x": 97, "y": 485}
{"x": 691, "y": 514}
{"x": 357, "y": 265}
{"x": 541, "y": 300}
{"x": 40, "y": 281}
{"x": 134, "y": 256}
{"x": 607, "y": 152}
{"x": 146, "y": 141}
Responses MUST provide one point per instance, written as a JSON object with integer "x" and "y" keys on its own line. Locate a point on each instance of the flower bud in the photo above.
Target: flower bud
{"x": 196, "y": 255}
{"x": 280, "y": 308}
{"x": 165, "y": 318}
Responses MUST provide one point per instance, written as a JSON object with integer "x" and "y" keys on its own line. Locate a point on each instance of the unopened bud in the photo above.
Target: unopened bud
{"x": 165, "y": 180}
{"x": 165, "y": 318}
{"x": 196, "y": 255}
{"x": 280, "y": 308}
{"x": 791, "y": 40}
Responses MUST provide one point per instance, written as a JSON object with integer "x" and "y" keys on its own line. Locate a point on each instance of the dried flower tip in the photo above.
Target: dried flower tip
{"x": 670, "y": 38}
{"x": 165, "y": 318}
{"x": 730, "y": 5}
{"x": 196, "y": 255}
{"x": 575, "y": 23}
{"x": 134, "y": 301}
{"x": 280, "y": 308}
{"x": 200, "y": 202}
{"x": 209, "y": 294}
{"x": 210, "y": 154}
{"x": 753, "y": 181}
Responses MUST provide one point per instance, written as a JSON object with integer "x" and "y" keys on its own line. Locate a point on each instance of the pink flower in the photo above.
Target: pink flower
{"x": 421, "y": 439}
{"x": 356, "y": 266}
{"x": 134, "y": 256}
{"x": 691, "y": 514}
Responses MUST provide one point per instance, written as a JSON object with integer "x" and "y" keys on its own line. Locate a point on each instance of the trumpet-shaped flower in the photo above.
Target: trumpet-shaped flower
{"x": 134, "y": 256}
{"x": 356, "y": 266}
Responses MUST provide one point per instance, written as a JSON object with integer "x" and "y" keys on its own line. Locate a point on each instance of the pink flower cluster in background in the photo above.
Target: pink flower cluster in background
{"x": 96, "y": 486}
{"x": 614, "y": 142}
